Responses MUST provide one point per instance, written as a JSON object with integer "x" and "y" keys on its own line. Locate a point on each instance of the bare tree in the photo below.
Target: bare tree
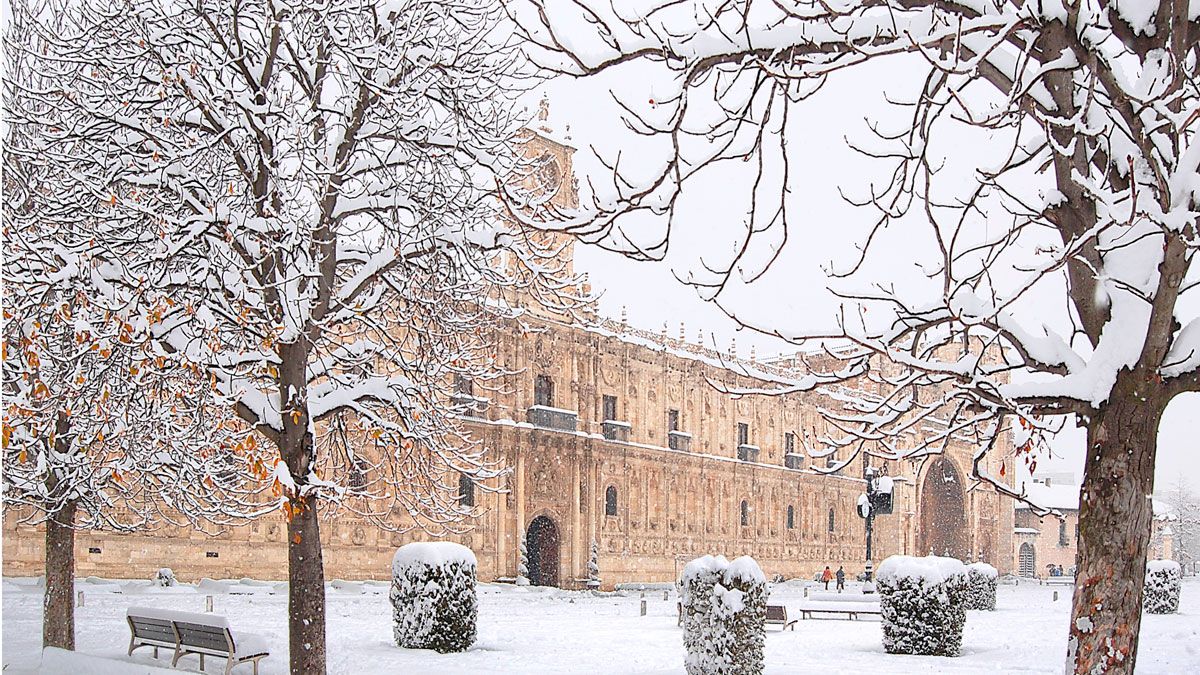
{"x": 1093, "y": 102}
{"x": 101, "y": 430}
{"x": 1183, "y": 517}
{"x": 318, "y": 176}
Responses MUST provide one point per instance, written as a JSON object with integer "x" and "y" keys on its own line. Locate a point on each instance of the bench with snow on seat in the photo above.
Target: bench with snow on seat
{"x": 777, "y": 616}
{"x": 1057, "y": 581}
{"x": 839, "y": 610}
{"x": 193, "y": 633}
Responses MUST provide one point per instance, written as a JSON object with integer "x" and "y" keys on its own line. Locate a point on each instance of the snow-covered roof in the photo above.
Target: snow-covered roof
{"x": 1061, "y": 497}
{"x": 680, "y": 348}
{"x": 1026, "y": 530}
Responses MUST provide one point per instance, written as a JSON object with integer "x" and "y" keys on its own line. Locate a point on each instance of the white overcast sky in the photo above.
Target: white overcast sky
{"x": 651, "y": 294}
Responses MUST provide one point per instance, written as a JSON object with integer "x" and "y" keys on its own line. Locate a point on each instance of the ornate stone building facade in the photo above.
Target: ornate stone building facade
{"x": 614, "y": 435}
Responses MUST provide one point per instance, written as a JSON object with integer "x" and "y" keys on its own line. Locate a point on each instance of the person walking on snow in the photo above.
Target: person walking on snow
{"x": 827, "y": 577}
{"x": 841, "y": 579}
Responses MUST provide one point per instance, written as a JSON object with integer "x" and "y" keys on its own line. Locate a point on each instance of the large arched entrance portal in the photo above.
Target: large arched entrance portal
{"x": 943, "y": 516}
{"x": 541, "y": 542}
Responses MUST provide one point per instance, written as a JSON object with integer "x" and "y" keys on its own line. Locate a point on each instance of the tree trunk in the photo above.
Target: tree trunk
{"x": 58, "y": 607}
{"x": 306, "y": 591}
{"x": 1115, "y": 517}
{"x": 306, "y": 569}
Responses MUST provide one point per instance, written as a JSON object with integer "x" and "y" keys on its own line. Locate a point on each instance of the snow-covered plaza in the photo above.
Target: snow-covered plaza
{"x": 545, "y": 630}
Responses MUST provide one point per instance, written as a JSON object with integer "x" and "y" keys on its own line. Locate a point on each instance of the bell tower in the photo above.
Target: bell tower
{"x": 549, "y": 175}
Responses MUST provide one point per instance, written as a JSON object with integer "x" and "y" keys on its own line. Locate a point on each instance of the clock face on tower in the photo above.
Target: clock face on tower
{"x": 547, "y": 175}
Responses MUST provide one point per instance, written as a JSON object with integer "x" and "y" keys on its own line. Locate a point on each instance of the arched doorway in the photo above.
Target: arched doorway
{"x": 541, "y": 543}
{"x": 1026, "y": 562}
{"x": 943, "y": 516}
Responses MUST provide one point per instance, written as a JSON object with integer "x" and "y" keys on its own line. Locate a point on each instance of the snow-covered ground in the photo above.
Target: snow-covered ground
{"x": 536, "y": 630}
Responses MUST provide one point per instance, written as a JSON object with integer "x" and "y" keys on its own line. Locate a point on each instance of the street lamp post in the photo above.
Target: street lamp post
{"x": 877, "y": 500}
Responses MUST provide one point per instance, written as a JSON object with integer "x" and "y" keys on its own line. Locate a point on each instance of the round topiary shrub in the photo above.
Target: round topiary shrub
{"x": 981, "y": 586}
{"x": 724, "y": 614}
{"x": 1160, "y": 595}
{"x": 165, "y": 578}
{"x": 433, "y": 596}
{"x": 922, "y": 601}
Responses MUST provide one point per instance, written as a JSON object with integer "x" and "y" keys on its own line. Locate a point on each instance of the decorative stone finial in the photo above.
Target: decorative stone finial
{"x": 544, "y": 109}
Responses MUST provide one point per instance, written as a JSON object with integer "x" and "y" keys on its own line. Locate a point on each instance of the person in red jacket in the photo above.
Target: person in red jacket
{"x": 827, "y": 576}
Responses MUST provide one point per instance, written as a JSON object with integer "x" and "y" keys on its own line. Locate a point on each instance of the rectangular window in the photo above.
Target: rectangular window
{"x": 1062, "y": 533}
{"x": 743, "y": 433}
{"x": 609, "y": 404}
{"x": 789, "y": 442}
{"x": 463, "y": 385}
{"x": 543, "y": 391}
{"x": 672, "y": 420}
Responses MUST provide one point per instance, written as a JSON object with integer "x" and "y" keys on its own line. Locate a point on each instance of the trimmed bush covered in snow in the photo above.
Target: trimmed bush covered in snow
{"x": 981, "y": 586}
{"x": 1160, "y": 595}
{"x": 433, "y": 596}
{"x": 922, "y": 600}
{"x": 522, "y": 561}
{"x": 593, "y": 567}
{"x": 724, "y": 614}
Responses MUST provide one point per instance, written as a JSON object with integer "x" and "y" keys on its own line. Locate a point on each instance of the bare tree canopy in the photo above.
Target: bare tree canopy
{"x": 1080, "y": 192}
{"x": 310, "y": 184}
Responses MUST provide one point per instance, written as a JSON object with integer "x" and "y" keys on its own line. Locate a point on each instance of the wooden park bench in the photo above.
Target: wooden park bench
{"x": 1058, "y": 581}
{"x": 193, "y": 633}
{"x": 839, "y": 610}
{"x": 777, "y": 616}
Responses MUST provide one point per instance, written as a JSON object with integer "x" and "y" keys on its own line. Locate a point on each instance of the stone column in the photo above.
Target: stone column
{"x": 577, "y": 555}
{"x": 520, "y": 497}
{"x": 502, "y": 547}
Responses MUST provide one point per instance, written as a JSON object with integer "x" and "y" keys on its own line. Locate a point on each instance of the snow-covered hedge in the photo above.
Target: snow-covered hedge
{"x": 1160, "y": 595}
{"x": 724, "y": 614}
{"x": 433, "y": 596}
{"x": 922, "y": 600}
{"x": 981, "y": 586}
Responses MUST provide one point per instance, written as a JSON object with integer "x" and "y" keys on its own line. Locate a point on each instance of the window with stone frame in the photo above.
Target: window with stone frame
{"x": 466, "y": 490}
{"x": 745, "y": 513}
{"x": 1062, "y": 533}
{"x": 463, "y": 385}
{"x": 831, "y": 520}
{"x": 791, "y": 517}
{"x": 789, "y": 442}
{"x": 672, "y": 420}
{"x": 743, "y": 433}
{"x": 608, "y": 408}
{"x": 543, "y": 391}
{"x": 358, "y": 471}
{"x": 610, "y": 500}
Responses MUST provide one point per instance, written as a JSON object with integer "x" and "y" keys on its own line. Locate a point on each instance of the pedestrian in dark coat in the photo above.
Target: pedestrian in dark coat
{"x": 841, "y": 579}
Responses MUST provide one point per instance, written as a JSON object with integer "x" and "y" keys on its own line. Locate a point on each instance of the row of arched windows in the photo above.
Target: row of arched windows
{"x": 610, "y": 509}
